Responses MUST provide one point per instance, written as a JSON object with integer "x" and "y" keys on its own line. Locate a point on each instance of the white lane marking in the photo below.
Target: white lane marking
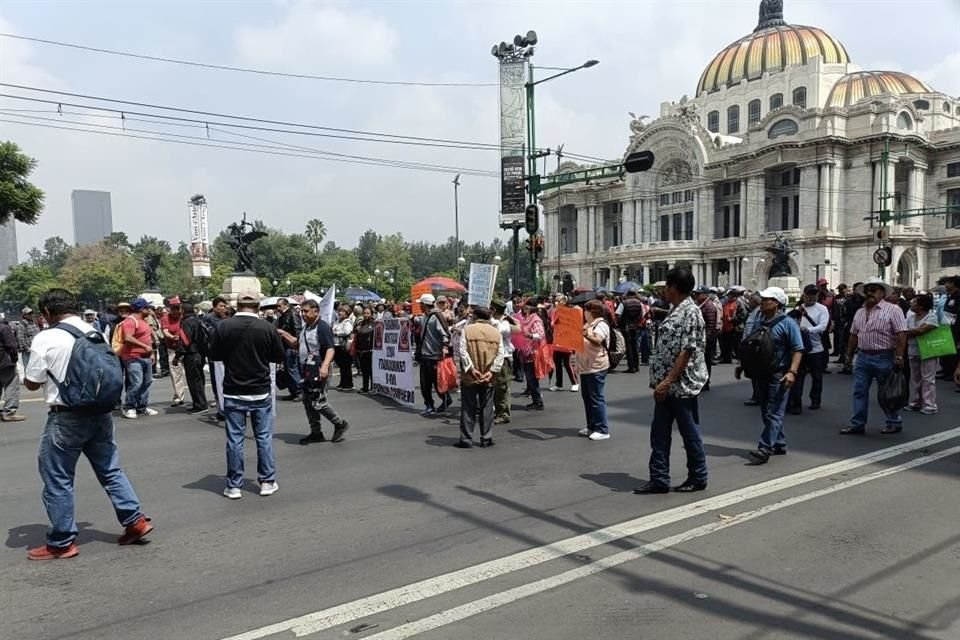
{"x": 512, "y": 595}
{"x": 430, "y": 587}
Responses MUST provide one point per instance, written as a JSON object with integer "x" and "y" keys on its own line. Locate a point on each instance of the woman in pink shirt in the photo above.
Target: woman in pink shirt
{"x": 532, "y": 327}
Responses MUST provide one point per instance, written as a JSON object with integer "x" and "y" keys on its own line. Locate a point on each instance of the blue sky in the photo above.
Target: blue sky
{"x": 650, "y": 52}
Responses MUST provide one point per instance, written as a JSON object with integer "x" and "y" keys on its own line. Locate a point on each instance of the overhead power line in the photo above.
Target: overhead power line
{"x": 262, "y": 72}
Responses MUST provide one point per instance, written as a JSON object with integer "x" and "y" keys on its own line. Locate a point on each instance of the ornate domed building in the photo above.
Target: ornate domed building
{"x": 785, "y": 136}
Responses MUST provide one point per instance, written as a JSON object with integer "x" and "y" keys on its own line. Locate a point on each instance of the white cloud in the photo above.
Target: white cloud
{"x": 16, "y": 62}
{"x": 309, "y": 36}
{"x": 944, "y": 76}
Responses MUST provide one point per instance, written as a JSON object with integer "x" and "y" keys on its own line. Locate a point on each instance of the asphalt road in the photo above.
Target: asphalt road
{"x": 395, "y": 534}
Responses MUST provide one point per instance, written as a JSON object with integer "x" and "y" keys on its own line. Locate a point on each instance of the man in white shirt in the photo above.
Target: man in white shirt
{"x": 507, "y": 326}
{"x": 814, "y": 318}
{"x": 71, "y": 431}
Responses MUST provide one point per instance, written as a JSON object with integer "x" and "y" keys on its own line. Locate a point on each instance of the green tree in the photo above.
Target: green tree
{"x": 102, "y": 272}
{"x": 316, "y": 232}
{"x": 342, "y": 268}
{"x": 53, "y": 256}
{"x": 19, "y": 199}
{"x": 24, "y": 284}
{"x": 367, "y": 249}
{"x": 117, "y": 240}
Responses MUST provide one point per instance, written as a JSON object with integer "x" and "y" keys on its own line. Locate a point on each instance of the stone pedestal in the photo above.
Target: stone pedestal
{"x": 236, "y": 283}
{"x": 153, "y": 297}
{"x": 789, "y": 284}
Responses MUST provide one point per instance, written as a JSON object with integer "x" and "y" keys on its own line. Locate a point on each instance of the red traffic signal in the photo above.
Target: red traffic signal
{"x": 638, "y": 161}
{"x": 531, "y": 218}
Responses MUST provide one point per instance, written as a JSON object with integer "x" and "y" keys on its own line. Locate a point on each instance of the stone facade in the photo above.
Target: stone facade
{"x": 812, "y": 173}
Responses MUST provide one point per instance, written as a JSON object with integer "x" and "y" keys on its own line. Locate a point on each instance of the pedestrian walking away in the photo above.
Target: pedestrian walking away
{"x": 923, "y": 373}
{"x": 247, "y": 346}
{"x": 170, "y": 328}
{"x": 194, "y": 344}
{"x": 481, "y": 357}
{"x": 878, "y": 338}
{"x": 711, "y": 326}
{"x": 532, "y": 327}
{"x": 814, "y": 318}
{"x": 289, "y": 321}
{"x": 770, "y": 355}
{"x": 316, "y": 346}
{"x": 137, "y": 356}
{"x": 632, "y": 313}
{"x": 434, "y": 346}
{"x": 593, "y": 361}
{"x": 71, "y": 350}
{"x": 678, "y": 372}
{"x": 507, "y": 326}
{"x": 9, "y": 380}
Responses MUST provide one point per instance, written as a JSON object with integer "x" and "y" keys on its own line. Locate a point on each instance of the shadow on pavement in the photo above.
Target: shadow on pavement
{"x": 290, "y": 438}
{"x": 719, "y": 451}
{"x": 215, "y": 484}
{"x": 440, "y": 441}
{"x": 32, "y": 535}
{"x": 548, "y": 433}
{"x": 616, "y": 482}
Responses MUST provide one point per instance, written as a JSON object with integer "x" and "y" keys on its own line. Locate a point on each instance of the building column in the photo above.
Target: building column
{"x": 581, "y": 248}
{"x": 808, "y": 197}
{"x": 646, "y": 273}
{"x": 705, "y": 212}
{"x": 630, "y": 222}
{"x": 755, "y": 220}
{"x": 823, "y": 196}
{"x": 744, "y": 203}
{"x": 915, "y": 189}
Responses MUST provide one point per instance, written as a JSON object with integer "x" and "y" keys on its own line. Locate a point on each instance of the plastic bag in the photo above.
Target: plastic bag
{"x": 893, "y": 393}
{"x": 446, "y": 376}
{"x": 543, "y": 361}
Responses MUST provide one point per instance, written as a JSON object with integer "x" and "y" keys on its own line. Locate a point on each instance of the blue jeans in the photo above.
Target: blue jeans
{"x": 65, "y": 437}
{"x": 292, "y": 362}
{"x": 594, "y": 402}
{"x": 686, "y": 413}
{"x": 773, "y": 404}
{"x": 870, "y": 367}
{"x": 261, "y": 416}
{"x": 138, "y": 378}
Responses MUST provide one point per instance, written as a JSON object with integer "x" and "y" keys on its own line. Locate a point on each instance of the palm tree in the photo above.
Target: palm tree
{"x": 316, "y": 232}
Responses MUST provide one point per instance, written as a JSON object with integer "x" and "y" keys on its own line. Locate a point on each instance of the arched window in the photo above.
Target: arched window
{"x": 753, "y": 112}
{"x": 785, "y": 127}
{"x": 904, "y": 121}
{"x": 800, "y": 97}
{"x": 922, "y": 105}
{"x": 958, "y": 110}
{"x": 776, "y": 101}
{"x": 733, "y": 119}
{"x": 713, "y": 122}
{"x": 946, "y": 107}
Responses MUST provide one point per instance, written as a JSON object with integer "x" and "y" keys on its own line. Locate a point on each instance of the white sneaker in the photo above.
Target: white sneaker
{"x": 556, "y": 388}
{"x": 150, "y": 412}
{"x": 233, "y": 493}
{"x": 268, "y": 488}
{"x": 928, "y": 412}
{"x": 585, "y": 432}
{"x": 130, "y": 414}
{"x": 596, "y": 435}
{"x": 575, "y": 388}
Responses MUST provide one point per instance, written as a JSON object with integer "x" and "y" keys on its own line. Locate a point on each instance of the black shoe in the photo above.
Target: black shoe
{"x": 651, "y": 488}
{"x": 535, "y": 406}
{"x": 293, "y": 397}
{"x": 526, "y": 392}
{"x": 364, "y": 391}
{"x": 221, "y": 418}
{"x": 313, "y": 437}
{"x": 706, "y": 387}
{"x": 177, "y": 403}
{"x": 814, "y": 406}
{"x": 487, "y": 442}
{"x": 779, "y": 451}
{"x": 196, "y": 411}
{"x": 690, "y": 486}
{"x": 760, "y": 456}
{"x": 751, "y": 403}
{"x": 827, "y": 372}
{"x": 795, "y": 411}
{"x": 846, "y": 372}
{"x": 429, "y": 411}
{"x": 463, "y": 444}
{"x": 339, "y": 430}
{"x": 445, "y": 405}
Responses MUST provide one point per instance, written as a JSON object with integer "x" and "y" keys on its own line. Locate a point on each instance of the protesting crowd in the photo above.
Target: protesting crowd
{"x": 90, "y": 364}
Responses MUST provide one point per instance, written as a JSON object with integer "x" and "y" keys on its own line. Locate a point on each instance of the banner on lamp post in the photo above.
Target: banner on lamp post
{"x": 513, "y": 140}
{"x": 199, "y": 237}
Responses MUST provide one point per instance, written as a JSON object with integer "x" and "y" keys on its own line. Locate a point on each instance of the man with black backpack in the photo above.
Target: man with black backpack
{"x": 770, "y": 355}
{"x": 193, "y": 347}
{"x": 62, "y": 359}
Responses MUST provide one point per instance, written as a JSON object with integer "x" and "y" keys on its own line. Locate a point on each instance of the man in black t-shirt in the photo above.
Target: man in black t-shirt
{"x": 316, "y": 347}
{"x": 248, "y": 346}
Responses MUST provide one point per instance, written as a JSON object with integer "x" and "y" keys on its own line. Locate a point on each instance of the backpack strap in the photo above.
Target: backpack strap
{"x": 69, "y": 328}
{"x": 772, "y": 323}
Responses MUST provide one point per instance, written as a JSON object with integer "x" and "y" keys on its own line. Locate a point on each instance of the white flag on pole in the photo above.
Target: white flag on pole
{"x": 326, "y": 302}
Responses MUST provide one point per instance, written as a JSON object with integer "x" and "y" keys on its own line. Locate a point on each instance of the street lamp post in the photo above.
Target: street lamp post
{"x": 456, "y": 215}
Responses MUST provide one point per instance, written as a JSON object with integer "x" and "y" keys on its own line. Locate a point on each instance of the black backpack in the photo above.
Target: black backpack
{"x": 757, "y": 354}
{"x": 93, "y": 379}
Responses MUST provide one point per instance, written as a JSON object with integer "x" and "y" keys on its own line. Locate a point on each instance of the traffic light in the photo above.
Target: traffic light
{"x": 638, "y": 161}
{"x": 531, "y": 218}
{"x": 530, "y": 244}
{"x": 882, "y": 234}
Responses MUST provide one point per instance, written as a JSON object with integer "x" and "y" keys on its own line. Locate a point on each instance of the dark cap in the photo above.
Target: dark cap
{"x": 139, "y": 304}
{"x": 810, "y": 289}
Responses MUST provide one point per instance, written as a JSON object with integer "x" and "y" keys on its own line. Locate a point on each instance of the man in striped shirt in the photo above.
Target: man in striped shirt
{"x": 879, "y": 331}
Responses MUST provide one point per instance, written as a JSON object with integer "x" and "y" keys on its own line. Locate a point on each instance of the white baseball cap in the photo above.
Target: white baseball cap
{"x": 775, "y": 293}
{"x": 427, "y": 298}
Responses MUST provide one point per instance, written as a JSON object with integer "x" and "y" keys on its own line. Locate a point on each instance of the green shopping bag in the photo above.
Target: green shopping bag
{"x": 936, "y": 343}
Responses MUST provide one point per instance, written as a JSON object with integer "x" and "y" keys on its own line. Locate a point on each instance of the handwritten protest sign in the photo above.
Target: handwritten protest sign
{"x": 568, "y": 329}
{"x": 393, "y": 360}
{"x": 483, "y": 278}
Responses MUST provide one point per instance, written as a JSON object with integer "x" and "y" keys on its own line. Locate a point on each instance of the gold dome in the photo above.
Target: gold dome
{"x": 854, "y": 87}
{"x": 770, "y": 49}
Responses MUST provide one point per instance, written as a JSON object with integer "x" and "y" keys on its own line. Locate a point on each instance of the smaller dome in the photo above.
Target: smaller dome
{"x": 854, "y": 87}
